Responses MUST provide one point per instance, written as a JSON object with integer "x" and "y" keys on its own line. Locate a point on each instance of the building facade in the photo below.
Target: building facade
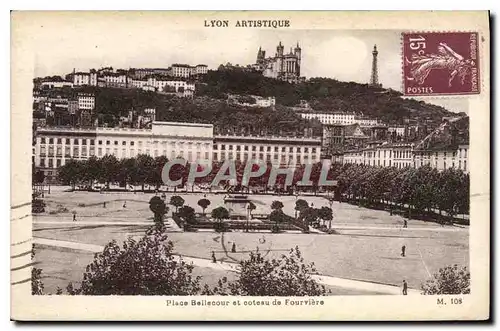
{"x": 281, "y": 66}
{"x": 399, "y": 155}
{"x": 402, "y": 155}
{"x": 445, "y": 158}
{"x": 340, "y": 118}
{"x": 54, "y": 146}
{"x": 86, "y": 101}
{"x": 85, "y": 78}
{"x": 191, "y": 141}
{"x": 330, "y": 118}
{"x": 56, "y": 84}
{"x": 280, "y": 151}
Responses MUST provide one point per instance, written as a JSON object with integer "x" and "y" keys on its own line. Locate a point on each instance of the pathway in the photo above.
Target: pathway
{"x": 233, "y": 267}
{"x": 173, "y": 226}
{"x": 169, "y": 223}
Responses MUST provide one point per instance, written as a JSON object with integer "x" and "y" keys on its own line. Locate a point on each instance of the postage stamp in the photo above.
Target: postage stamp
{"x": 440, "y": 63}
{"x": 257, "y": 166}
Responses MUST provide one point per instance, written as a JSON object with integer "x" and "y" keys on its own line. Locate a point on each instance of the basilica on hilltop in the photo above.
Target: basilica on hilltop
{"x": 281, "y": 66}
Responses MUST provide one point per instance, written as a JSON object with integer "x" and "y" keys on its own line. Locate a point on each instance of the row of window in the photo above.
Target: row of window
{"x": 461, "y": 166}
{"x": 407, "y": 154}
{"x": 76, "y": 141}
{"x": 262, "y": 148}
{"x": 244, "y": 157}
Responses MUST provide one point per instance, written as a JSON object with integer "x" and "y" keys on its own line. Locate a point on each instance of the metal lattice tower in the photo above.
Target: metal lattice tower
{"x": 374, "y": 75}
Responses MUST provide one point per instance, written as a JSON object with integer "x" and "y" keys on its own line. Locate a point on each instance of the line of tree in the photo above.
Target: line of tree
{"x": 421, "y": 190}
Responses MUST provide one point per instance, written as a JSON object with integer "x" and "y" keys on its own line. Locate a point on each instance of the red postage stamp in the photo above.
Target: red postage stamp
{"x": 440, "y": 63}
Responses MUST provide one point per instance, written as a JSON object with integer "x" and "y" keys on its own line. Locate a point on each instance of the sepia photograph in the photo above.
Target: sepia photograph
{"x": 243, "y": 156}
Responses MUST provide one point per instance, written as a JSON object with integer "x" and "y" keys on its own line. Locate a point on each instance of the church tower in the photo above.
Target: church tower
{"x": 374, "y": 76}
{"x": 298, "y": 54}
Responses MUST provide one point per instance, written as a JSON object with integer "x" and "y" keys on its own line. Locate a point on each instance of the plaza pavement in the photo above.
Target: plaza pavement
{"x": 233, "y": 267}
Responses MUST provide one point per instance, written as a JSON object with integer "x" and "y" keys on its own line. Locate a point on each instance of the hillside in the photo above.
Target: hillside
{"x": 323, "y": 94}
{"x": 210, "y": 104}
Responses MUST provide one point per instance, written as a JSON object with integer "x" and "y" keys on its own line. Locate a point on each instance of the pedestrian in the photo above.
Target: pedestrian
{"x": 125, "y": 204}
{"x": 233, "y": 248}
{"x": 405, "y": 287}
{"x": 405, "y": 223}
{"x": 104, "y": 204}
{"x": 403, "y": 250}
{"x": 74, "y": 217}
{"x": 214, "y": 260}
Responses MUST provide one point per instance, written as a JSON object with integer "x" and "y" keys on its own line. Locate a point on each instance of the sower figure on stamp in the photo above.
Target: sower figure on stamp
{"x": 405, "y": 287}
{"x": 403, "y": 251}
{"x": 448, "y": 59}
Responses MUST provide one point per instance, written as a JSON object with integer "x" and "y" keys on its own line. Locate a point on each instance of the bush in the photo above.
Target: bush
{"x": 287, "y": 276}
{"x": 144, "y": 267}
{"x": 81, "y": 205}
{"x": 37, "y": 206}
{"x": 448, "y": 280}
{"x": 36, "y": 281}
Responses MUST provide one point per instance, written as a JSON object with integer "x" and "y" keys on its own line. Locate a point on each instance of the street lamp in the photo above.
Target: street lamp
{"x": 248, "y": 216}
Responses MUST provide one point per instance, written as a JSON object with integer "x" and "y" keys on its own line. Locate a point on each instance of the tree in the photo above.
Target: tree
{"x": 325, "y": 213}
{"x": 220, "y": 214}
{"x": 159, "y": 163}
{"x": 310, "y": 216}
{"x": 109, "y": 169}
{"x": 70, "y": 173}
{"x": 300, "y": 206}
{"x": 176, "y": 201}
{"x": 448, "y": 280}
{"x": 92, "y": 170}
{"x": 276, "y": 205}
{"x": 38, "y": 177}
{"x": 203, "y": 203}
{"x": 158, "y": 207}
{"x": 145, "y": 166}
{"x": 144, "y": 267}
{"x": 186, "y": 213}
{"x": 287, "y": 275}
{"x": 277, "y": 216}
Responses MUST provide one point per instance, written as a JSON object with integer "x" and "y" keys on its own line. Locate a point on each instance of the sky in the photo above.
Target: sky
{"x": 341, "y": 54}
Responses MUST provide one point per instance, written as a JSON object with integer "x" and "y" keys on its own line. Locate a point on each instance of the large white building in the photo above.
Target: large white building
{"x": 330, "y": 118}
{"x": 112, "y": 79}
{"x": 445, "y": 158}
{"x": 401, "y": 155}
{"x": 186, "y": 71}
{"x": 85, "y": 78}
{"x": 177, "y": 85}
{"x": 56, "y": 84}
{"x": 191, "y": 141}
{"x": 340, "y": 118}
{"x": 86, "y": 101}
{"x": 282, "y": 151}
{"x": 54, "y": 146}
